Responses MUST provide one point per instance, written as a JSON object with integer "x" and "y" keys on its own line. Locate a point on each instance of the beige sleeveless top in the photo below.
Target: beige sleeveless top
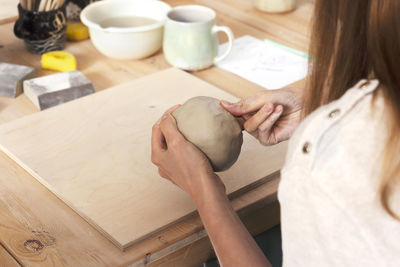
{"x": 330, "y": 209}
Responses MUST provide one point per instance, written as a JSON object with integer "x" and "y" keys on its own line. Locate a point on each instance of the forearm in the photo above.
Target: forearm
{"x": 232, "y": 242}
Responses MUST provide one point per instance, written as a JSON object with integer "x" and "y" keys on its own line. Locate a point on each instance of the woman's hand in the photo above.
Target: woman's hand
{"x": 178, "y": 160}
{"x": 270, "y": 116}
{"x": 182, "y": 163}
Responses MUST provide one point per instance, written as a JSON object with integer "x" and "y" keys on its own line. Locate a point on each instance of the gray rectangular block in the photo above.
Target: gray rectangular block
{"x": 11, "y": 78}
{"x": 52, "y": 90}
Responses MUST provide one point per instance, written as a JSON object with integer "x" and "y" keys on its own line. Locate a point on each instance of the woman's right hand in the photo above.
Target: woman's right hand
{"x": 271, "y": 116}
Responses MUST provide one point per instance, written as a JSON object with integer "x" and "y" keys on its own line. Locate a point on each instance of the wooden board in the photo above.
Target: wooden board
{"x": 94, "y": 154}
{"x": 8, "y": 11}
{"x": 6, "y": 260}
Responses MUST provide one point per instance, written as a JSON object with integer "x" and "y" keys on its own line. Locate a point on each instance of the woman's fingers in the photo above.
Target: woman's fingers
{"x": 170, "y": 130}
{"x": 167, "y": 125}
{"x": 268, "y": 123}
{"x": 244, "y": 106}
{"x": 248, "y": 116}
{"x": 157, "y": 138}
{"x": 158, "y": 145}
{"x": 265, "y": 130}
{"x": 255, "y": 121}
{"x": 171, "y": 109}
{"x": 283, "y": 134}
{"x": 241, "y": 120}
{"x": 163, "y": 174}
{"x": 158, "y": 142}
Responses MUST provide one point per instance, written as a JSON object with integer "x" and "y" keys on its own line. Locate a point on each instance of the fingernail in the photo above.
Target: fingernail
{"x": 278, "y": 109}
{"x": 164, "y": 116}
{"x": 226, "y": 103}
{"x": 268, "y": 109}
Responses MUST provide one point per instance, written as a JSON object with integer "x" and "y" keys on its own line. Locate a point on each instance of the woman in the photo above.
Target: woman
{"x": 339, "y": 191}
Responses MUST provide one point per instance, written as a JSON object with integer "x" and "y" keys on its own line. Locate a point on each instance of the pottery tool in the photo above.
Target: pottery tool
{"x": 41, "y": 5}
{"x": 94, "y": 154}
{"x": 24, "y": 4}
{"x": 12, "y": 77}
{"x": 29, "y": 4}
{"x": 36, "y": 4}
{"x": 60, "y": 3}
{"x": 54, "y": 4}
{"x": 48, "y": 5}
{"x": 52, "y": 90}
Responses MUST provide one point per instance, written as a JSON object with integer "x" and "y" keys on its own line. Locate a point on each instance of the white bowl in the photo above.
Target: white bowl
{"x": 126, "y": 42}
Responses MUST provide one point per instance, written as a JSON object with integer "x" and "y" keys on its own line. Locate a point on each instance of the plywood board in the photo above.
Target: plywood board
{"x": 94, "y": 154}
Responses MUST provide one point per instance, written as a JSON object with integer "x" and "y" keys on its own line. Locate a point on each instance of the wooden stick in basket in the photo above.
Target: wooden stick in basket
{"x": 54, "y": 5}
{"x": 61, "y": 2}
{"x": 42, "y": 5}
{"x": 23, "y": 3}
{"x": 29, "y": 4}
{"x": 48, "y": 5}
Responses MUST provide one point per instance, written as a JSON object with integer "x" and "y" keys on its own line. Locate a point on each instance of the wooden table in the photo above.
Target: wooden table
{"x": 36, "y": 228}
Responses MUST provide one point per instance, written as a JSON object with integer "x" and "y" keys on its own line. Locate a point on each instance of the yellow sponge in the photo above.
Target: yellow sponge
{"x": 77, "y": 32}
{"x": 59, "y": 61}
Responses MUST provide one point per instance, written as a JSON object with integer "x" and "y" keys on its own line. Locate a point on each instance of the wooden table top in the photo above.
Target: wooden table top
{"x": 36, "y": 228}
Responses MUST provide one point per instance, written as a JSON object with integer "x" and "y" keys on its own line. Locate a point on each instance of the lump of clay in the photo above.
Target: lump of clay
{"x": 212, "y": 129}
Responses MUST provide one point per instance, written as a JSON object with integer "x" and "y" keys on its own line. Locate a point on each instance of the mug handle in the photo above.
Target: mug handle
{"x": 229, "y": 33}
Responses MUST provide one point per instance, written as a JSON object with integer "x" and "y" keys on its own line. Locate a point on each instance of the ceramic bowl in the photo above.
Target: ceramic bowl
{"x": 126, "y": 40}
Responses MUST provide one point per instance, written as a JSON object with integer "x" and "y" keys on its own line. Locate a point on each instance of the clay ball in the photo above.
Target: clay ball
{"x": 212, "y": 129}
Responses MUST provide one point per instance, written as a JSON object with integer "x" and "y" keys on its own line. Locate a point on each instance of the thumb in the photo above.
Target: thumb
{"x": 245, "y": 106}
{"x": 169, "y": 129}
{"x": 235, "y": 109}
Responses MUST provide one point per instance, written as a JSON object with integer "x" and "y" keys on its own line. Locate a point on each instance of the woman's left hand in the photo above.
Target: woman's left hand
{"x": 177, "y": 159}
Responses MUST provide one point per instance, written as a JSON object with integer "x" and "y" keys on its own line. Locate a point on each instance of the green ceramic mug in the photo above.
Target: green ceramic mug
{"x": 190, "y": 38}
{"x": 275, "y": 6}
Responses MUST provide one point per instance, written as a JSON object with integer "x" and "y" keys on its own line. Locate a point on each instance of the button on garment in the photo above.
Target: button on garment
{"x": 334, "y": 113}
{"x": 330, "y": 209}
{"x": 306, "y": 148}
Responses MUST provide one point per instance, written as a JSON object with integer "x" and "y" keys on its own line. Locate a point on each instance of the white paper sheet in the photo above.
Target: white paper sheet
{"x": 266, "y": 63}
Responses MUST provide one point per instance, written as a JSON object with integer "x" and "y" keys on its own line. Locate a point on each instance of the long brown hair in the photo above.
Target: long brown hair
{"x": 352, "y": 40}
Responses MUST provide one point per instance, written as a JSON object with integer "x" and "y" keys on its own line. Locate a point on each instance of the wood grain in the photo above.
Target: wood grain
{"x": 6, "y": 259}
{"x": 100, "y": 155}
